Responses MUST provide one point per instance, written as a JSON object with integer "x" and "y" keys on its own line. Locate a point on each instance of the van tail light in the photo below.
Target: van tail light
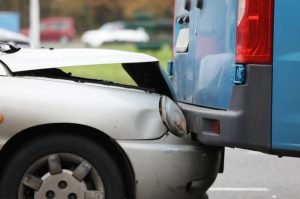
{"x": 215, "y": 126}
{"x": 255, "y": 32}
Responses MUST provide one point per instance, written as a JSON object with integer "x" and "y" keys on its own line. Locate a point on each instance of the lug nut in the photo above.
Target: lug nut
{"x": 62, "y": 184}
{"x": 72, "y": 196}
{"x": 50, "y": 194}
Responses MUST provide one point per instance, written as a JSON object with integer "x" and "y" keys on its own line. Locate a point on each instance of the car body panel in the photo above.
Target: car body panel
{"x": 30, "y": 102}
{"x": 129, "y": 116}
{"x": 202, "y": 75}
{"x": 172, "y": 164}
{"x": 3, "y": 71}
{"x": 35, "y": 59}
{"x": 286, "y": 60}
{"x": 143, "y": 69}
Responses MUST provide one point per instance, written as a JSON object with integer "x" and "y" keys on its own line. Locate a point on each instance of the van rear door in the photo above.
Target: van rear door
{"x": 223, "y": 70}
{"x": 203, "y": 70}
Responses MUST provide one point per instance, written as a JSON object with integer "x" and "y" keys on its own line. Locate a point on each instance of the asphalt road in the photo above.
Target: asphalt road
{"x": 253, "y": 175}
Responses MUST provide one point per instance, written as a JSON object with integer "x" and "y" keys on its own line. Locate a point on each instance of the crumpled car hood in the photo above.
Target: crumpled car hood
{"x": 36, "y": 59}
{"x": 144, "y": 69}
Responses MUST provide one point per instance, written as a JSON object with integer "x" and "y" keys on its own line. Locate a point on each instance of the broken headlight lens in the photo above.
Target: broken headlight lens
{"x": 173, "y": 117}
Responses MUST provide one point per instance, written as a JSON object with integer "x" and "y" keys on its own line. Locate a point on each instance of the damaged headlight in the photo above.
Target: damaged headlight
{"x": 172, "y": 117}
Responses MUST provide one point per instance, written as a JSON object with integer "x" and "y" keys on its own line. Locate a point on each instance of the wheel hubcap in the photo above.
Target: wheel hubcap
{"x": 63, "y": 185}
{"x": 83, "y": 182}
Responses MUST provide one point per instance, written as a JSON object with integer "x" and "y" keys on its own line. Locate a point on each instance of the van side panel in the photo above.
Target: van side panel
{"x": 286, "y": 76}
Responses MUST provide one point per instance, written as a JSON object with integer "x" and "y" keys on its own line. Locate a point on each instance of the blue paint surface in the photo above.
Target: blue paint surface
{"x": 286, "y": 76}
{"x": 203, "y": 75}
{"x": 10, "y": 21}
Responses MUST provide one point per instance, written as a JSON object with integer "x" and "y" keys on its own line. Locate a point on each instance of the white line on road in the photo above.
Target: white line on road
{"x": 239, "y": 189}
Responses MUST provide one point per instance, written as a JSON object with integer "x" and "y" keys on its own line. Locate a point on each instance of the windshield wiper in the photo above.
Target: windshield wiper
{"x": 8, "y": 48}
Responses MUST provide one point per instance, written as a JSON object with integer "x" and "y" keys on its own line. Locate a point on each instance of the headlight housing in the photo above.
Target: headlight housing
{"x": 173, "y": 117}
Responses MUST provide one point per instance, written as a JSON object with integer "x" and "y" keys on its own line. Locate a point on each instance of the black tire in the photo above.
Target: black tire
{"x": 28, "y": 153}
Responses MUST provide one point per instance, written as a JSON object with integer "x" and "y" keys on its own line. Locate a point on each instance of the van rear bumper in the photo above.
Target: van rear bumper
{"x": 247, "y": 122}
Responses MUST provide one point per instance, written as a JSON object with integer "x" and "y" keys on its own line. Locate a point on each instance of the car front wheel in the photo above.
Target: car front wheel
{"x": 61, "y": 166}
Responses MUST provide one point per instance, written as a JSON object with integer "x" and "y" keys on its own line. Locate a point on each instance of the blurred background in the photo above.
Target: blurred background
{"x": 140, "y": 26}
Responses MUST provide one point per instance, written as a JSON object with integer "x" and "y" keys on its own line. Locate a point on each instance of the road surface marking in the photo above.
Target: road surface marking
{"x": 239, "y": 189}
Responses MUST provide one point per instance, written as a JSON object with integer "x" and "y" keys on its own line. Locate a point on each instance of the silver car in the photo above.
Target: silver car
{"x": 68, "y": 137}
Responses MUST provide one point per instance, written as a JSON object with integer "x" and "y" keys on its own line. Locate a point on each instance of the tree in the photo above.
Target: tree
{"x": 159, "y": 8}
{"x": 90, "y": 13}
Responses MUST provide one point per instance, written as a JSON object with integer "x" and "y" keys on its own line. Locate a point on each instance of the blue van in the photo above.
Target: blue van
{"x": 235, "y": 72}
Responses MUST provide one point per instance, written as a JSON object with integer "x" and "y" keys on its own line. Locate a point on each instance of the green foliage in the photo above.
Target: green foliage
{"x": 91, "y": 13}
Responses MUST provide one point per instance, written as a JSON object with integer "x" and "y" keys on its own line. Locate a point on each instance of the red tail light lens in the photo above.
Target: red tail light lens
{"x": 255, "y": 32}
{"x": 215, "y": 126}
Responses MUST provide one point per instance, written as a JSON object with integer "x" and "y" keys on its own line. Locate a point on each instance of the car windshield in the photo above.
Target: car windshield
{"x": 59, "y": 26}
